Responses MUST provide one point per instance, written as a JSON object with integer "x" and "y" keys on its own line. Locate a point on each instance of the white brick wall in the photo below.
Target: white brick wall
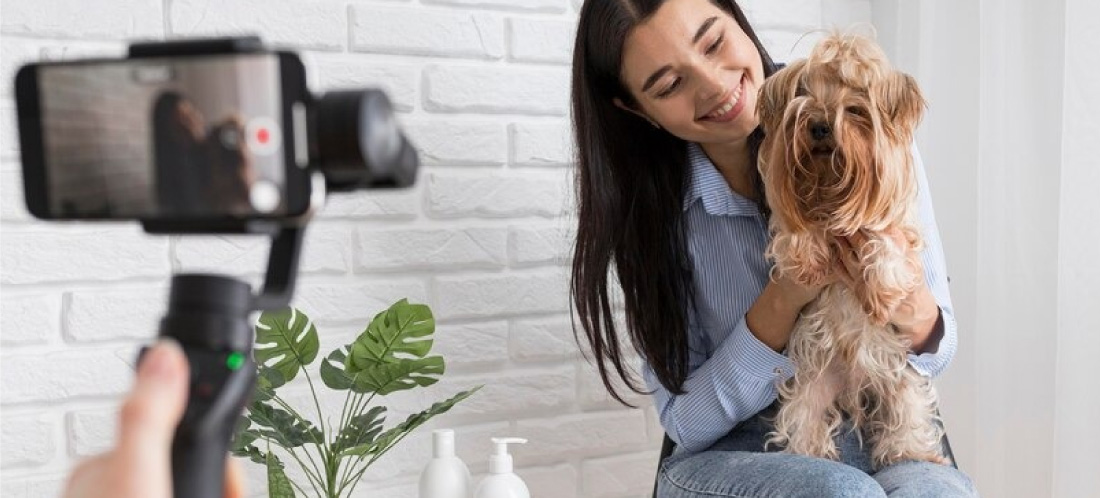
{"x": 482, "y": 86}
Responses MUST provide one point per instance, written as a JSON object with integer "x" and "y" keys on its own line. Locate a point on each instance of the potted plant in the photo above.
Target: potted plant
{"x": 390, "y": 355}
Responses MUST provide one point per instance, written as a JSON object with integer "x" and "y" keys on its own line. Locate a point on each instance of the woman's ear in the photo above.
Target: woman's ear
{"x": 621, "y": 105}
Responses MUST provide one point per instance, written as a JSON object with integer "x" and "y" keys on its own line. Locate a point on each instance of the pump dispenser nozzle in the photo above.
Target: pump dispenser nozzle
{"x": 500, "y": 462}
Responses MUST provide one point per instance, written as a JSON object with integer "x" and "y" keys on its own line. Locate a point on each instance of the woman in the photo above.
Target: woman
{"x": 671, "y": 204}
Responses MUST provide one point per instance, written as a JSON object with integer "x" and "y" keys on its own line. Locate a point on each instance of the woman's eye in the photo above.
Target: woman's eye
{"x": 671, "y": 88}
{"x": 714, "y": 46}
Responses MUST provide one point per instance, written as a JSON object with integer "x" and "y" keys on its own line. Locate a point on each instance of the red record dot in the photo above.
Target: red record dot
{"x": 262, "y": 135}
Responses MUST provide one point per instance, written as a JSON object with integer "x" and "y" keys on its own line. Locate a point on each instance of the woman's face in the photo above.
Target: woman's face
{"x": 694, "y": 71}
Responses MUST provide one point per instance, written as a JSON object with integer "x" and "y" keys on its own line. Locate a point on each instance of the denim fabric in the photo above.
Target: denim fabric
{"x": 738, "y": 466}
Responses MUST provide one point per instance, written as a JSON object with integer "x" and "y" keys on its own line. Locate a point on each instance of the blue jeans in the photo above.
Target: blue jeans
{"x": 738, "y": 466}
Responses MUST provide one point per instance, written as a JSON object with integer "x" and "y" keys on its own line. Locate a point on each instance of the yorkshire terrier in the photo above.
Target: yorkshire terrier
{"x": 836, "y": 163}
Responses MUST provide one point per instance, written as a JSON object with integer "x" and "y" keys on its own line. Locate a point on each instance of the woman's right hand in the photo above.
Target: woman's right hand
{"x": 772, "y": 317}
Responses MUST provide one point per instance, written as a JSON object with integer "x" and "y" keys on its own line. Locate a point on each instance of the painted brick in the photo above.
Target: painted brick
{"x": 496, "y": 89}
{"x": 64, "y": 375}
{"x": 419, "y": 31}
{"x": 113, "y": 314}
{"x": 301, "y": 24}
{"x": 541, "y": 40}
{"x": 106, "y": 254}
{"x": 453, "y": 143}
{"x": 533, "y": 244}
{"x": 30, "y": 319}
{"x": 541, "y": 144}
{"x": 74, "y": 18}
{"x": 500, "y": 295}
{"x": 438, "y": 248}
{"x": 28, "y": 440}
{"x": 543, "y": 339}
{"x": 498, "y": 195}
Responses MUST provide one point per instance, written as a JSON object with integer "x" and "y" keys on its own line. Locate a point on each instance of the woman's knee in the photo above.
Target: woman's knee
{"x": 753, "y": 475}
{"x": 924, "y": 479}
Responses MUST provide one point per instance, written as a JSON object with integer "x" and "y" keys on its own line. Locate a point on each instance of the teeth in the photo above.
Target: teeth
{"x": 728, "y": 105}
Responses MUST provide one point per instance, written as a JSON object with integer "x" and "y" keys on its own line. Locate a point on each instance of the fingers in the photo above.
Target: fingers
{"x": 154, "y": 407}
{"x": 85, "y": 478}
{"x": 234, "y": 479}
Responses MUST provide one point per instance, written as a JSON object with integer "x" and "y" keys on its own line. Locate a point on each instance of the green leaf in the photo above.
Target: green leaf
{"x": 402, "y": 329}
{"x": 243, "y": 438}
{"x": 388, "y": 378}
{"x": 266, "y": 380}
{"x": 288, "y": 338}
{"x": 282, "y": 427}
{"x": 360, "y": 430}
{"x": 390, "y": 355}
{"x": 332, "y": 371}
{"x": 385, "y": 440}
{"x": 278, "y": 486}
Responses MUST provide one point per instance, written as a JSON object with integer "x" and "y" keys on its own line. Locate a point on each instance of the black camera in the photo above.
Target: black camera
{"x": 198, "y": 135}
{"x": 204, "y": 136}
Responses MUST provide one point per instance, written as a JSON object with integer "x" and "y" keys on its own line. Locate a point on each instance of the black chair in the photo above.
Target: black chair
{"x": 667, "y": 447}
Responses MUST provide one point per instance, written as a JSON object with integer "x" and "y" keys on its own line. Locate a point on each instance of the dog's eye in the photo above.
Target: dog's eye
{"x": 857, "y": 111}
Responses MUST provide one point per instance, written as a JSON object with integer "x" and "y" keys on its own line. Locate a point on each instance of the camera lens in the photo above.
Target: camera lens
{"x": 359, "y": 144}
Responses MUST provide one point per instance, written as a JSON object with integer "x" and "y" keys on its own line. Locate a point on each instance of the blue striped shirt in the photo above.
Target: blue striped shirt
{"x": 732, "y": 375}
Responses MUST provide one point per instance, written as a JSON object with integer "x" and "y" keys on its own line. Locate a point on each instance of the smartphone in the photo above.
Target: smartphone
{"x": 180, "y": 138}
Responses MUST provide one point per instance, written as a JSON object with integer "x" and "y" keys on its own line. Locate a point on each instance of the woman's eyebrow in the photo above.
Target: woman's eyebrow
{"x": 703, "y": 29}
{"x": 652, "y": 79}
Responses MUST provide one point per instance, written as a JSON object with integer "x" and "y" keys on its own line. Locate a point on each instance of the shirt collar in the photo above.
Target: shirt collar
{"x": 709, "y": 187}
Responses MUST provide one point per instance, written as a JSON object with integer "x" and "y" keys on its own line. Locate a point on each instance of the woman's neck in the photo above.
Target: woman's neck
{"x": 732, "y": 161}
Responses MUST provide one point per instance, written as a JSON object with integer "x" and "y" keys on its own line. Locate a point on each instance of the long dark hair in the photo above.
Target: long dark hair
{"x": 631, "y": 180}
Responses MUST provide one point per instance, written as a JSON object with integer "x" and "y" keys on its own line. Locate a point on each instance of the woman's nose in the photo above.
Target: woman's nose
{"x": 711, "y": 85}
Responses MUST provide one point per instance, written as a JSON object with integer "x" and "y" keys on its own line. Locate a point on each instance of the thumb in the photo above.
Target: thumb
{"x": 155, "y": 405}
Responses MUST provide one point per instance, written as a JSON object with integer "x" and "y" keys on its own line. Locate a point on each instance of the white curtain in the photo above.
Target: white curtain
{"x": 1009, "y": 142}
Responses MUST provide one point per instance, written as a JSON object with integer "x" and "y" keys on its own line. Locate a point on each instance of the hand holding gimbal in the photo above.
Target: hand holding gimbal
{"x": 339, "y": 141}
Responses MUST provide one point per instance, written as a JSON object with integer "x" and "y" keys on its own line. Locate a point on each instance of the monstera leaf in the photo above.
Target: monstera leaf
{"x": 278, "y": 486}
{"x": 403, "y": 329}
{"x": 360, "y": 430}
{"x": 285, "y": 340}
{"x": 282, "y": 427}
{"x": 267, "y": 379}
{"x": 243, "y": 437}
{"x": 389, "y": 356}
{"x": 385, "y": 440}
{"x": 332, "y": 371}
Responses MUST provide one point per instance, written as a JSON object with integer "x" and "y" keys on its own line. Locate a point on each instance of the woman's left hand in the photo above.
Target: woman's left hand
{"x": 918, "y": 314}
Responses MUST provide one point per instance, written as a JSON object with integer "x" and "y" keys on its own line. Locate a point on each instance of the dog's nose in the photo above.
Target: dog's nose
{"x": 819, "y": 131}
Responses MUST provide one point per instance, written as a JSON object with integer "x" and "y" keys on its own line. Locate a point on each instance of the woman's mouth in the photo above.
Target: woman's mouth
{"x": 731, "y": 107}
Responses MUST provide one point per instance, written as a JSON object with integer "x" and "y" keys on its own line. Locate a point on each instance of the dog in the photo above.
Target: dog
{"x": 836, "y": 163}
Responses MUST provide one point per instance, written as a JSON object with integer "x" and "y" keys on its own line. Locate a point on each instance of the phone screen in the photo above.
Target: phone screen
{"x": 171, "y": 138}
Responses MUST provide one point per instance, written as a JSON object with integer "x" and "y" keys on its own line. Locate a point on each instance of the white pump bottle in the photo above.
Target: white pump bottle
{"x": 501, "y": 481}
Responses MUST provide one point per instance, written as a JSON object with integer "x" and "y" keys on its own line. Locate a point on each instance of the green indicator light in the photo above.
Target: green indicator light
{"x": 234, "y": 361}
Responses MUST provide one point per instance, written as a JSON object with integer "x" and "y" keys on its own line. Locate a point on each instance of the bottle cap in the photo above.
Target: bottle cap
{"x": 443, "y": 443}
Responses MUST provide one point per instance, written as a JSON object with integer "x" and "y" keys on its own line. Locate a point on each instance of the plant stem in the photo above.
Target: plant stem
{"x": 370, "y": 462}
{"x": 318, "y": 485}
{"x": 292, "y": 411}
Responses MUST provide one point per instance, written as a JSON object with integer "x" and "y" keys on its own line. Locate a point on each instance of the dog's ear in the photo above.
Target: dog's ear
{"x": 776, "y": 93}
{"x": 902, "y": 101}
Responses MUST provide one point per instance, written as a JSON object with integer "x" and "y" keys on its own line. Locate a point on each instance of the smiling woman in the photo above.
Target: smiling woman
{"x": 671, "y": 203}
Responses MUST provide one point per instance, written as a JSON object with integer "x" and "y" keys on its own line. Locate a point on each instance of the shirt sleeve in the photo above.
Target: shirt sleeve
{"x": 933, "y": 363}
{"x": 734, "y": 383}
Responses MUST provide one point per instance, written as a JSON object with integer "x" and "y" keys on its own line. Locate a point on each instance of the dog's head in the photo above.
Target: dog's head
{"x": 838, "y": 126}
{"x": 836, "y": 155}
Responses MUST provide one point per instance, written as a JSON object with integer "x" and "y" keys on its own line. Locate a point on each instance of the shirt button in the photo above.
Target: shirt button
{"x": 778, "y": 371}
